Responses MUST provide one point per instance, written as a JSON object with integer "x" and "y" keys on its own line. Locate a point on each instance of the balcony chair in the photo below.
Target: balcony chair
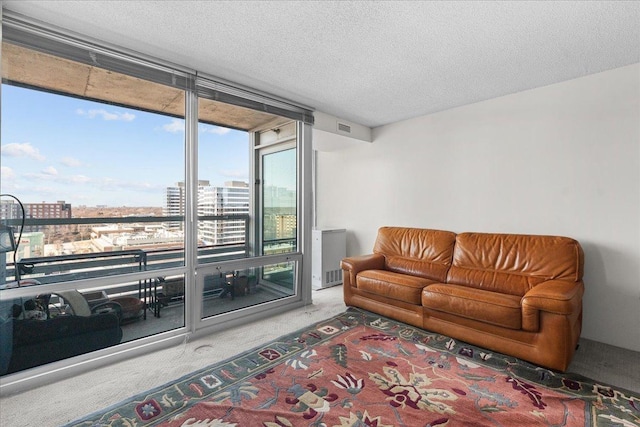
{"x": 80, "y": 306}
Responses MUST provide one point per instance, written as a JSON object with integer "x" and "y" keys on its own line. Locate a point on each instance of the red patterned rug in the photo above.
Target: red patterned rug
{"x": 360, "y": 369}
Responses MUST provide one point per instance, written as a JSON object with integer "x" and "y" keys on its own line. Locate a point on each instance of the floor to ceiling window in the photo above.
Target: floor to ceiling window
{"x": 140, "y": 201}
{"x": 279, "y": 176}
{"x": 81, "y": 147}
{"x": 232, "y": 184}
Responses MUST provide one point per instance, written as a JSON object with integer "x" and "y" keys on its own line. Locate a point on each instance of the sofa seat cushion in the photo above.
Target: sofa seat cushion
{"x": 485, "y": 306}
{"x": 397, "y": 286}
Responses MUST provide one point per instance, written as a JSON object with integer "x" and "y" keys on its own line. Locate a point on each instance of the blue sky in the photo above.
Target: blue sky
{"x": 88, "y": 153}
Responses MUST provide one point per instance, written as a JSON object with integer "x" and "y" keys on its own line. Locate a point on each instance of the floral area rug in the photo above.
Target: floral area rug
{"x": 360, "y": 369}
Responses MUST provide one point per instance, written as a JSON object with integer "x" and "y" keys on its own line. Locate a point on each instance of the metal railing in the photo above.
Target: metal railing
{"x": 67, "y": 267}
{"x": 60, "y": 268}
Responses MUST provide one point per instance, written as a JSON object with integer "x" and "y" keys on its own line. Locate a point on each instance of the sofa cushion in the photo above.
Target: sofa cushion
{"x": 393, "y": 285}
{"x": 485, "y": 306}
{"x": 513, "y": 263}
{"x": 415, "y": 251}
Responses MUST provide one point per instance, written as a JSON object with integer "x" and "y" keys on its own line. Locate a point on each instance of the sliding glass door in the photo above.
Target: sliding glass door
{"x": 279, "y": 209}
{"x": 247, "y": 212}
{"x": 160, "y": 200}
{"x": 82, "y": 194}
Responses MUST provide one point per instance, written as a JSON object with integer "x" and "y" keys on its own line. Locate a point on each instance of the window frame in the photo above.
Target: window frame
{"x": 37, "y": 35}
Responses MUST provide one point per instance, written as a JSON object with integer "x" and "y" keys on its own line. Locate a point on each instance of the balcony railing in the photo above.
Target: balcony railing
{"x": 76, "y": 266}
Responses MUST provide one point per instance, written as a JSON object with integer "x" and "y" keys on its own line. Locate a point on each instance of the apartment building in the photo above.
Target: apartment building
{"x": 175, "y": 203}
{"x": 219, "y": 201}
{"x": 10, "y": 209}
{"x": 230, "y": 199}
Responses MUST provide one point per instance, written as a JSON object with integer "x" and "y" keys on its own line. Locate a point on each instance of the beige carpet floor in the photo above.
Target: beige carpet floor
{"x": 64, "y": 401}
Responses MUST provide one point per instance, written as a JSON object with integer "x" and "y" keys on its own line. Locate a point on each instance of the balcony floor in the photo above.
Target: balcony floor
{"x": 172, "y": 315}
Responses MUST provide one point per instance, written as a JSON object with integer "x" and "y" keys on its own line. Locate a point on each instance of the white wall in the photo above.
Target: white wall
{"x": 562, "y": 160}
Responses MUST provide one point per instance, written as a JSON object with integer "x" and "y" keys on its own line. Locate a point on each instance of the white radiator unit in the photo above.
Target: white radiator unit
{"x": 328, "y": 248}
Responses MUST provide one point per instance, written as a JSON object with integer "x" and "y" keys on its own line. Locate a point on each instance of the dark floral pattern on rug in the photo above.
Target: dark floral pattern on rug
{"x": 360, "y": 369}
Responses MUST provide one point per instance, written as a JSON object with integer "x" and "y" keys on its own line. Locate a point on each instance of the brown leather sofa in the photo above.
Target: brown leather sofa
{"x": 519, "y": 295}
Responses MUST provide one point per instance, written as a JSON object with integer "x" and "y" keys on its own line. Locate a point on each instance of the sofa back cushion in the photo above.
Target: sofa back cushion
{"x": 416, "y": 251}
{"x": 514, "y": 263}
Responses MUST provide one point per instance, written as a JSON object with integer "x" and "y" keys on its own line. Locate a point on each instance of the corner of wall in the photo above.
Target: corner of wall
{"x": 328, "y": 123}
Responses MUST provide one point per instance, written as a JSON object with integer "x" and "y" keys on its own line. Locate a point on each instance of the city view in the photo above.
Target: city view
{"x": 111, "y": 162}
{"x": 226, "y": 201}
{"x": 127, "y": 225}
{"x": 89, "y": 153}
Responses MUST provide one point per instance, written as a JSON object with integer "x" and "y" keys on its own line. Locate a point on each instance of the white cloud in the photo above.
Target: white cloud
{"x": 7, "y": 173}
{"x": 21, "y": 150}
{"x": 44, "y": 192}
{"x": 50, "y": 171}
{"x": 71, "y": 162}
{"x": 144, "y": 186}
{"x": 78, "y": 179}
{"x": 51, "y": 175}
{"x": 218, "y": 130}
{"x": 33, "y": 176}
{"x": 234, "y": 173}
{"x": 106, "y": 182}
{"x": 106, "y": 115}
{"x": 111, "y": 184}
{"x": 176, "y": 125}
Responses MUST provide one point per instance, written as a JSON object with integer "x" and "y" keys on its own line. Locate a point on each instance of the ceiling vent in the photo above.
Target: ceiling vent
{"x": 344, "y": 128}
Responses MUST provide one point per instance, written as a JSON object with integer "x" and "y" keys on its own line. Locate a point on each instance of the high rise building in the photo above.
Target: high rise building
{"x": 175, "y": 204}
{"x": 230, "y": 199}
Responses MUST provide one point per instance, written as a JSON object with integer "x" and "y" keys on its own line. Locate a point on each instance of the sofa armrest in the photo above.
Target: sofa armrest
{"x": 553, "y": 296}
{"x": 353, "y": 265}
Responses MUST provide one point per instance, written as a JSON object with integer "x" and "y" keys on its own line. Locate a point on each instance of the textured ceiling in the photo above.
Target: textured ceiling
{"x": 369, "y": 62}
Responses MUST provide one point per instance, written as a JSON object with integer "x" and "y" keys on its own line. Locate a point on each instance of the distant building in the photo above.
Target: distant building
{"x": 230, "y": 199}
{"x": 280, "y": 220}
{"x": 286, "y": 225}
{"x": 10, "y": 209}
{"x": 175, "y": 204}
{"x": 31, "y": 245}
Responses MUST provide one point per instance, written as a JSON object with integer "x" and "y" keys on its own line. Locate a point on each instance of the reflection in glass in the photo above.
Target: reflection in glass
{"x": 225, "y": 291}
{"x": 47, "y": 326}
{"x": 90, "y": 161}
{"x": 223, "y": 185}
{"x": 279, "y": 202}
